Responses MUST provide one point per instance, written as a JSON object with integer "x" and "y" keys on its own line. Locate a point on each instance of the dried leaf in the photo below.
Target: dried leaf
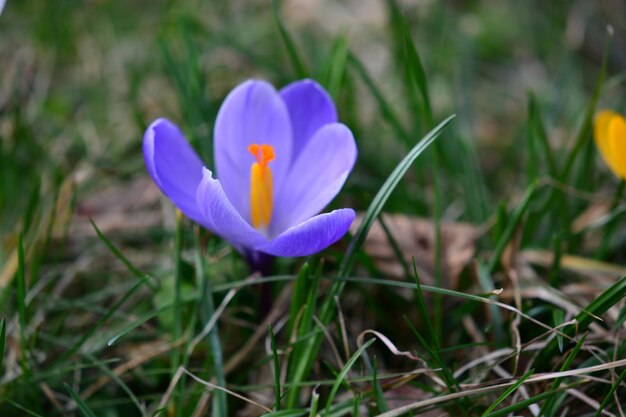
{"x": 121, "y": 207}
{"x": 416, "y": 238}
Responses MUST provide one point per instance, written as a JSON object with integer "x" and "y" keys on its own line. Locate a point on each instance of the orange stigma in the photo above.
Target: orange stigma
{"x": 261, "y": 184}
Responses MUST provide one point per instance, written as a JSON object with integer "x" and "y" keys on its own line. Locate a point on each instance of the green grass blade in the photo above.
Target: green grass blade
{"x": 379, "y": 395}
{"x": 336, "y": 65}
{"x": 546, "y": 408}
{"x": 597, "y": 308}
{"x": 20, "y": 407}
{"x": 555, "y": 268}
{"x": 520, "y": 405}
{"x": 602, "y": 304}
{"x": 115, "y": 378}
{"x": 438, "y": 266}
{"x": 388, "y": 114}
{"x": 558, "y": 317}
{"x": 177, "y": 331}
{"x": 315, "y": 398}
{"x": 3, "y": 330}
{"x": 417, "y": 73}
{"x": 508, "y": 392}
{"x": 301, "y": 359}
{"x": 383, "y": 194}
{"x": 144, "y": 318}
{"x": 486, "y": 281}
{"x": 117, "y": 253}
{"x": 79, "y": 402}
{"x": 614, "y": 387}
{"x": 286, "y": 413}
{"x": 587, "y": 126}
{"x": 344, "y": 371}
{"x": 32, "y": 204}
{"x": 143, "y": 279}
{"x": 538, "y": 131}
{"x": 277, "y": 389}
{"x": 206, "y": 306}
{"x": 433, "y": 353}
{"x": 304, "y": 360}
{"x": 21, "y": 302}
{"x": 532, "y": 160}
{"x": 395, "y": 247}
{"x": 299, "y": 296}
{"x": 610, "y": 226}
{"x": 292, "y": 51}
{"x": 423, "y": 311}
{"x": 356, "y": 404}
{"x": 507, "y": 234}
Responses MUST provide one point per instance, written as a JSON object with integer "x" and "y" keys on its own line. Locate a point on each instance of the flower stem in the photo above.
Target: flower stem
{"x": 262, "y": 263}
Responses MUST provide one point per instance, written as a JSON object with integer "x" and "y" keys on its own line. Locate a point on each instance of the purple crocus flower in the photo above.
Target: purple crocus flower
{"x": 280, "y": 157}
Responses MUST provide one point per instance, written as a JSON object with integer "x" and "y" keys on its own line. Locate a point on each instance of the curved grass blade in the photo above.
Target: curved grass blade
{"x": 508, "y": 392}
{"x": 532, "y": 400}
{"x": 82, "y": 406}
{"x": 519, "y": 212}
{"x": 395, "y": 247}
{"x": 546, "y": 409}
{"x": 116, "y": 252}
{"x": 431, "y": 345}
{"x": 20, "y": 407}
{"x": 610, "y": 394}
{"x": 585, "y": 130}
{"x": 597, "y": 308}
{"x": 143, "y": 279}
{"x": 343, "y": 373}
{"x": 299, "y": 68}
{"x": 385, "y": 108}
{"x": 305, "y": 360}
{"x": 416, "y": 72}
{"x": 3, "y": 329}
{"x": 602, "y": 304}
{"x": 383, "y": 194}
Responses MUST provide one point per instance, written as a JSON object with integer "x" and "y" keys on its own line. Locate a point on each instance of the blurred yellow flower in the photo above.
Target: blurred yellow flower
{"x": 610, "y": 136}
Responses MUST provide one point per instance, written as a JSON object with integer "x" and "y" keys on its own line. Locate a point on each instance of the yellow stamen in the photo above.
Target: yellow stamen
{"x": 261, "y": 195}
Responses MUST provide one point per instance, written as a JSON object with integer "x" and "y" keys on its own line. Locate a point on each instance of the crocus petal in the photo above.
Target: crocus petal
{"x": 310, "y": 107}
{"x": 222, "y": 217}
{"x": 312, "y": 236}
{"x": 617, "y": 145}
{"x": 601, "y": 136}
{"x": 315, "y": 178}
{"x": 174, "y": 166}
{"x": 252, "y": 113}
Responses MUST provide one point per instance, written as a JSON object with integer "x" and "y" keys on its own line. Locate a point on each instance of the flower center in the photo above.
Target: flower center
{"x": 261, "y": 199}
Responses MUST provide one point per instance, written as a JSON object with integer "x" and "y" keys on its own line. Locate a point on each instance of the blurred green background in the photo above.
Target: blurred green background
{"x": 81, "y": 80}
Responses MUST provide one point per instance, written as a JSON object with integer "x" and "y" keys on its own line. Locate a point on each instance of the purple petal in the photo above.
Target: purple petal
{"x": 222, "y": 217}
{"x": 174, "y": 166}
{"x": 310, "y": 107}
{"x": 312, "y": 236}
{"x": 315, "y": 178}
{"x": 252, "y": 113}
